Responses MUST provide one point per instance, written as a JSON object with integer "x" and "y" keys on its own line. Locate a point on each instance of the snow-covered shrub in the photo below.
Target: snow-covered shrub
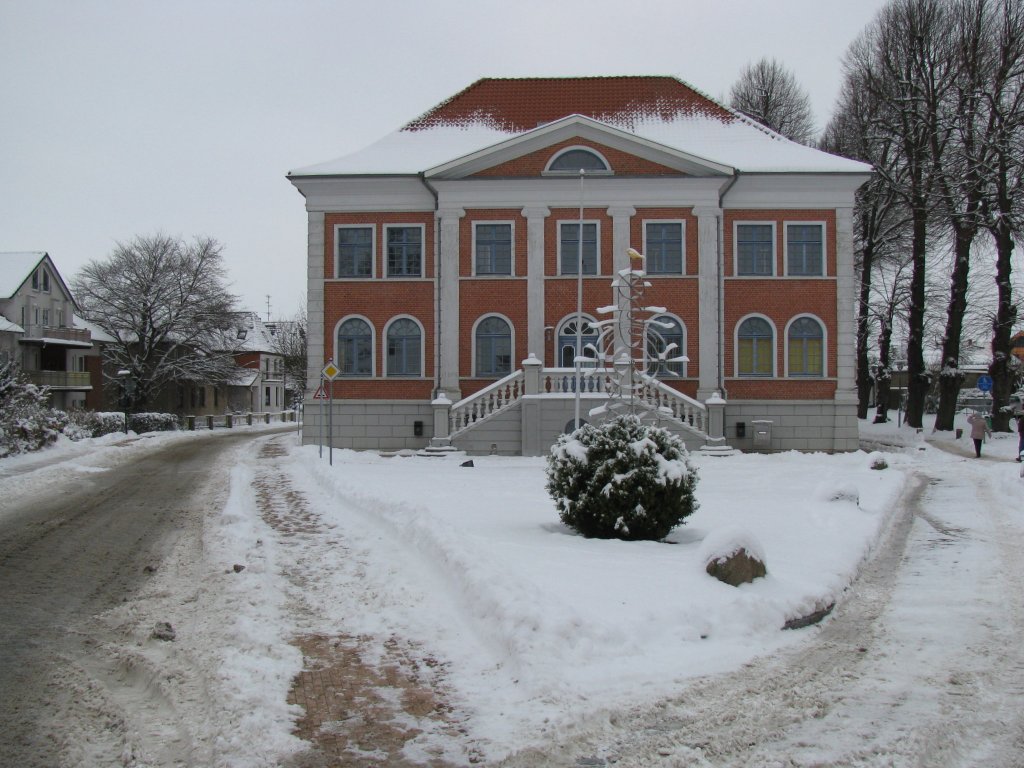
{"x": 26, "y": 423}
{"x": 878, "y": 461}
{"x": 82, "y": 424}
{"x": 152, "y": 422}
{"x": 622, "y": 479}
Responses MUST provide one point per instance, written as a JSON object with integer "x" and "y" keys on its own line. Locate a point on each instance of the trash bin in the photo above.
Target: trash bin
{"x": 762, "y": 433}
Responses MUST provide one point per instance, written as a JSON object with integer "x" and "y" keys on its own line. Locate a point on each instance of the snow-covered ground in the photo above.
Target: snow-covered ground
{"x": 537, "y": 631}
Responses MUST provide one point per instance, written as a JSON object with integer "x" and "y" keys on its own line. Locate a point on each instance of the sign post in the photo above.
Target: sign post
{"x": 329, "y": 372}
{"x": 321, "y": 396}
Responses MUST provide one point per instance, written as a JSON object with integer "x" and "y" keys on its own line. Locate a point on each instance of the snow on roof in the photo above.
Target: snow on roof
{"x": 9, "y": 327}
{"x": 95, "y": 332}
{"x": 257, "y": 335}
{"x": 663, "y": 110}
{"x": 15, "y": 268}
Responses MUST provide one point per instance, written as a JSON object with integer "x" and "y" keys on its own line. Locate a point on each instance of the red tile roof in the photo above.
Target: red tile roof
{"x": 521, "y": 104}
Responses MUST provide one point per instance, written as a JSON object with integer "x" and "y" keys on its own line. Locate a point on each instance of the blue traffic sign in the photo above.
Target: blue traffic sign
{"x": 985, "y": 383}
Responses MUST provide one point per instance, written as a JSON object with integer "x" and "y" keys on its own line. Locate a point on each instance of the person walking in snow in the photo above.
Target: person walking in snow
{"x": 979, "y": 428}
{"x": 1020, "y": 434}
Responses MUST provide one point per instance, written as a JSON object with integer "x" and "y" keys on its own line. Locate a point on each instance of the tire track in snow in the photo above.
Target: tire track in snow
{"x": 907, "y": 671}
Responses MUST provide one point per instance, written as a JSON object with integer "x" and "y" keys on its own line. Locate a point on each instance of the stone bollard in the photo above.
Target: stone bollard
{"x": 190, "y": 422}
{"x": 209, "y": 421}
{"x": 229, "y": 420}
{"x": 248, "y": 419}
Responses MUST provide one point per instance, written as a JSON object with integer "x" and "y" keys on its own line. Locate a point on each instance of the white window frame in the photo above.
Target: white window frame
{"x": 423, "y": 348}
{"x": 512, "y": 345}
{"x": 824, "y": 247}
{"x": 736, "y": 249}
{"x": 373, "y": 348}
{"x": 512, "y": 263}
{"x": 686, "y": 339}
{"x": 736, "y": 349}
{"x": 682, "y": 262}
{"x": 423, "y": 253}
{"x": 558, "y": 240}
{"x": 575, "y": 148}
{"x": 560, "y": 326}
{"x": 373, "y": 251}
{"x": 824, "y": 348}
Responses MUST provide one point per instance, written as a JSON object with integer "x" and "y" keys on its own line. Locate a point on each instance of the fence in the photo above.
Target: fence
{"x": 231, "y": 420}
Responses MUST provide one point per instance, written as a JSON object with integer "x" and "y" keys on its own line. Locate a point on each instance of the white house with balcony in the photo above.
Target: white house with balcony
{"x": 38, "y": 328}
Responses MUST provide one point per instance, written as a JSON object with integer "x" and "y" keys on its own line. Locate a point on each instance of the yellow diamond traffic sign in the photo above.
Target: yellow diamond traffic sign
{"x": 330, "y": 371}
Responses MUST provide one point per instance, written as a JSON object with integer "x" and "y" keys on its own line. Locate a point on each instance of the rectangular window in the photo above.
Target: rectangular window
{"x": 755, "y": 249}
{"x": 492, "y": 245}
{"x": 355, "y": 252}
{"x": 46, "y": 318}
{"x": 405, "y": 251}
{"x": 663, "y": 247}
{"x": 266, "y": 397}
{"x": 35, "y": 280}
{"x": 804, "y": 249}
{"x": 46, "y": 281}
{"x": 569, "y": 247}
{"x": 755, "y": 357}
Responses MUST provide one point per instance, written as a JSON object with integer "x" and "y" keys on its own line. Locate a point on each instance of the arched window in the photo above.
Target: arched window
{"x": 493, "y": 347}
{"x": 756, "y": 347}
{"x": 665, "y": 340}
{"x": 577, "y": 159}
{"x": 404, "y": 348}
{"x": 567, "y": 342}
{"x": 806, "y": 348}
{"x": 355, "y": 348}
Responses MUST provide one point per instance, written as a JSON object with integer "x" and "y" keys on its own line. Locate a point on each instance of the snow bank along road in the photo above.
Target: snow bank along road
{"x": 69, "y": 550}
{"x": 922, "y": 663}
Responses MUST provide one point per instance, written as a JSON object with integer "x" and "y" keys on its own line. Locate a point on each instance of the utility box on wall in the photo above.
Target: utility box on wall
{"x": 762, "y": 433}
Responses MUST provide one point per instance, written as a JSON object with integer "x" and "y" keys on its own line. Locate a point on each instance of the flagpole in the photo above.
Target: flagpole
{"x": 579, "y": 313}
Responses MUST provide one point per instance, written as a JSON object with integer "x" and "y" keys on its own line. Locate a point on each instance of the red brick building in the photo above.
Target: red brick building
{"x": 444, "y": 266}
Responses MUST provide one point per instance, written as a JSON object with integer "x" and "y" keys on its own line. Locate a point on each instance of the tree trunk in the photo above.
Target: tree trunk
{"x": 864, "y": 377}
{"x": 1002, "y": 328}
{"x": 950, "y": 377}
{"x": 918, "y": 380}
{"x": 883, "y": 374}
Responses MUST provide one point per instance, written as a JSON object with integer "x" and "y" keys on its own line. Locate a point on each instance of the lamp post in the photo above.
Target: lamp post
{"x": 899, "y": 395}
{"x": 127, "y": 391}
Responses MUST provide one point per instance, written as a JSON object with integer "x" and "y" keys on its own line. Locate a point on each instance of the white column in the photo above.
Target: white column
{"x": 535, "y": 311}
{"x": 315, "y": 299}
{"x": 447, "y": 325}
{"x": 709, "y": 338}
{"x": 620, "y": 216}
{"x": 846, "y": 290}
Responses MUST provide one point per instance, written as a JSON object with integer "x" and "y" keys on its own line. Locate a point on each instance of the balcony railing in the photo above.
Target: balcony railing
{"x": 40, "y": 332}
{"x": 61, "y": 379}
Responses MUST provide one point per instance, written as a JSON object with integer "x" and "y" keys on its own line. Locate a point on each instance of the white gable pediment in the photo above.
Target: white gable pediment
{"x": 577, "y": 127}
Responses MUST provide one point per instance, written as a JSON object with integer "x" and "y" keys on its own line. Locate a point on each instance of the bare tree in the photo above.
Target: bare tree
{"x": 897, "y": 61}
{"x": 166, "y": 304}
{"x": 289, "y": 341}
{"x": 768, "y": 93}
{"x": 1003, "y": 205}
{"x": 880, "y": 226}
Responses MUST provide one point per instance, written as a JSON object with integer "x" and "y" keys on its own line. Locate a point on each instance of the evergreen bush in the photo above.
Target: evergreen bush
{"x": 622, "y": 479}
{"x": 152, "y": 422}
{"x": 26, "y": 421}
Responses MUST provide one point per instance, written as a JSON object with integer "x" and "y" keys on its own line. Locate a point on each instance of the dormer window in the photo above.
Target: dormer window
{"x": 575, "y": 159}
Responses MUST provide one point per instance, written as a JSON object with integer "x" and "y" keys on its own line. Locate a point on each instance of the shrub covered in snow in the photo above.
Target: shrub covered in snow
{"x": 83, "y": 424}
{"x": 152, "y": 422}
{"x": 26, "y": 423}
{"x": 622, "y": 479}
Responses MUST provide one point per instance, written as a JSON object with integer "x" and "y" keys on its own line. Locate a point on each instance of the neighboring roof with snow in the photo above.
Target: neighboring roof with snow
{"x": 257, "y": 335}
{"x": 663, "y": 110}
{"x": 15, "y": 269}
{"x": 95, "y": 332}
{"x": 6, "y": 326}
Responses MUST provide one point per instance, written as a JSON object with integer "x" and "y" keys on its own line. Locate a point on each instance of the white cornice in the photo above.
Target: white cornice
{"x": 579, "y": 126}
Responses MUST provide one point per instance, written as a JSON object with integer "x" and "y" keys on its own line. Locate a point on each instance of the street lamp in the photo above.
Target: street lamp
{"x": 899, "y": 395}
{"x": 127, "y": 391}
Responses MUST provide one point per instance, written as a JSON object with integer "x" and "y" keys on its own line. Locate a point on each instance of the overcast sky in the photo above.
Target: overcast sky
{"x": 125, "y": 117}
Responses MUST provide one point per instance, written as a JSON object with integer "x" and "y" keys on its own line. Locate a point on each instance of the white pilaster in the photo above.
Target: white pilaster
{"x": 846, "y": 290}
{"x": 447, "y": 334}
{"x": 709, "y": 338}
{"x": 315, "y": 330}
{"x": 535, "y": 341}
